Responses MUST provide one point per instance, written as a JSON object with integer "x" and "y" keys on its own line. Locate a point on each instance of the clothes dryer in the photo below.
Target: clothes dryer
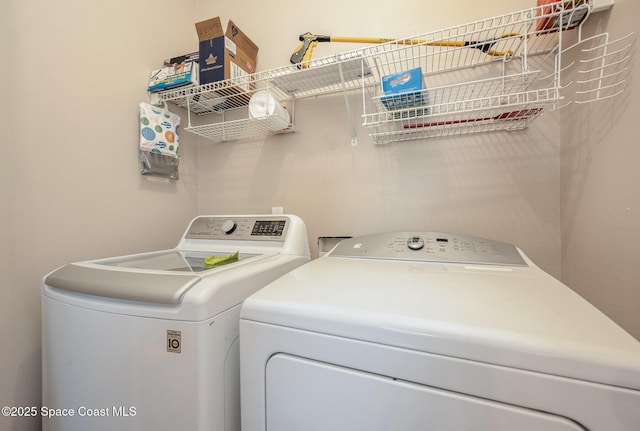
{"x": 150, "y": 341}
{"x": 432, "y": 331}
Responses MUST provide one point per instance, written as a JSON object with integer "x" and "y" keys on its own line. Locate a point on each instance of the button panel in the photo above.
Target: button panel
{"x": 431, "y": 247}
{"x": 267, "y": 228}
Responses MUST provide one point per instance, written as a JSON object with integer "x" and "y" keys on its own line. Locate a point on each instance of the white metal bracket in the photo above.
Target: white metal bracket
{"x": 600, "y": 5}
{"x": 354, "y": 139}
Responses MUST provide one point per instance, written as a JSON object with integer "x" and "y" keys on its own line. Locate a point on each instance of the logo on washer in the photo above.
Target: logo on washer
{"x": 174, "y": 342}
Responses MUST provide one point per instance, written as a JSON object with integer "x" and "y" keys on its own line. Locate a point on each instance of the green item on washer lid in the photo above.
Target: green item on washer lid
{"x": 221, "y": 260}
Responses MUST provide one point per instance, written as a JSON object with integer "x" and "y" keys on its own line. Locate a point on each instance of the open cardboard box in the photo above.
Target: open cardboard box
{"x": 226, "y": 55}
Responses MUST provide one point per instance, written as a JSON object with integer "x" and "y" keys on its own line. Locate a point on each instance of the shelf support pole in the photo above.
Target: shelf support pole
{"x": 354, "y": 139}
{"x": 188, "y": 111}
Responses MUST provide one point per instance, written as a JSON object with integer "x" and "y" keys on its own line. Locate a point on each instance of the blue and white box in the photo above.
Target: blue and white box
{"x": 403, "y": 90}
{"x": 173, "y": 76}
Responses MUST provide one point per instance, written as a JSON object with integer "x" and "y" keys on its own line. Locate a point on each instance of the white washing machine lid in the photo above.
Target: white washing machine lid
{"x": 158, "y": 277}
{"x": 164, "y": 277}
{"x": 179, "y": 261}
{"x": 509, "y": 315}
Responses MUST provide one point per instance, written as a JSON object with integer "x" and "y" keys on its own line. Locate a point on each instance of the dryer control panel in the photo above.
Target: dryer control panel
{"x": 430, "y": 247}
{"x": 254, "y": 228}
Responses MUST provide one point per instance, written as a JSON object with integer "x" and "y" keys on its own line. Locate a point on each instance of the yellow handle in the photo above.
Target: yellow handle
{"x": 309, "y": 39}
{"x": 348, "y": 39}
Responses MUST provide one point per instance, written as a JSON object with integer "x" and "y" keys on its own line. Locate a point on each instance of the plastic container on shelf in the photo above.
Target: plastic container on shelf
{"x": 264, "y": 107}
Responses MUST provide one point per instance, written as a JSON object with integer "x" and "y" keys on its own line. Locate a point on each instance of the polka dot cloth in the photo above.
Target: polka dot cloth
{"x": 158, "y": 130}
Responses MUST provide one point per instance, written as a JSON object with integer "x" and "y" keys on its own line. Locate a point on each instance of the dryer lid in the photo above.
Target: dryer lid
{"x": 513, "y": 316}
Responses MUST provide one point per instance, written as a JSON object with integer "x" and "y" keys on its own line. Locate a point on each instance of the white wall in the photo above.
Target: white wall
{"x": 500, "y": 185}
{"x": 601, "y": 187}
{"x": 70, "y": 187}
{"x": 503, "y": 187}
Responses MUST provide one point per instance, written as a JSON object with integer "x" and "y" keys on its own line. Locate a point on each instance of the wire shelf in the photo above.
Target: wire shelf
{"x": 510, "y": 121}
{"x": 477, "y": 77}
{"x": 328, "y": 75}
{"x": 484, "y": 105}
{"x": 241, "y": 129}
{"x": 228, "y": 96}
{"x": 512, "y": 112}
{"x": 217, "y": 97}
{"x": 498, "y": 73}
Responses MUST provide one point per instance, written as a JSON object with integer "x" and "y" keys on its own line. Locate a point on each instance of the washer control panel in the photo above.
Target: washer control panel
{"x": 259, "y": 228}
{"x": 430, "y": 247}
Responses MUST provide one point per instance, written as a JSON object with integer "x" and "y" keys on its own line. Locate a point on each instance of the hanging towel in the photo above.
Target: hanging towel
{"x": 159, "y": 141}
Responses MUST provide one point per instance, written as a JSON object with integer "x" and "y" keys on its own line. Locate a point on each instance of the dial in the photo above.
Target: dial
{"x": 228, "y": 226}
{"x": 415, "y": 243}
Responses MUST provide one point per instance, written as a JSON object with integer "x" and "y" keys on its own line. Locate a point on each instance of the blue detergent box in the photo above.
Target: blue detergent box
{"x": 403, "y": 90}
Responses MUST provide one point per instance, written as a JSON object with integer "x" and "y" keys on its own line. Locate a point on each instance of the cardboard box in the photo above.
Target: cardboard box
{"x": 229, "y": 55}
{"x": 174, "y": 76}
{"x": 192, "y": 56}
{"x": 403, "y": 90}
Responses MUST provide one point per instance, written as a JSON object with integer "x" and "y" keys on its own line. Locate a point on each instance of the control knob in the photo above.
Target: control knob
{"x": 228, "y": 227}
{"x": 415, "y": 243}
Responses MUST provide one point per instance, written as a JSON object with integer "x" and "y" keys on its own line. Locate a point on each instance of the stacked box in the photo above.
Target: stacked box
{"x": 230, "y": 55}
{"x": 173, "y": 76}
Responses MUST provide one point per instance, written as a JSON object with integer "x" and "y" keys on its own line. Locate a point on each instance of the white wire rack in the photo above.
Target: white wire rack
{"x": 502, "y": 103}
{"x": 227, "y": 99}
{"x": 601, "y": 71}
{"x": 477, "y": 77}
{"x": 498, "y": 73}
{"x": 239, "y": 129}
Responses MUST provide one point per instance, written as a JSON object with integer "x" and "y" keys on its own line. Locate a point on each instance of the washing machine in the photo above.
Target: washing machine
{"x": 150, "y": 341}
{"x": 432, "y": 331}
